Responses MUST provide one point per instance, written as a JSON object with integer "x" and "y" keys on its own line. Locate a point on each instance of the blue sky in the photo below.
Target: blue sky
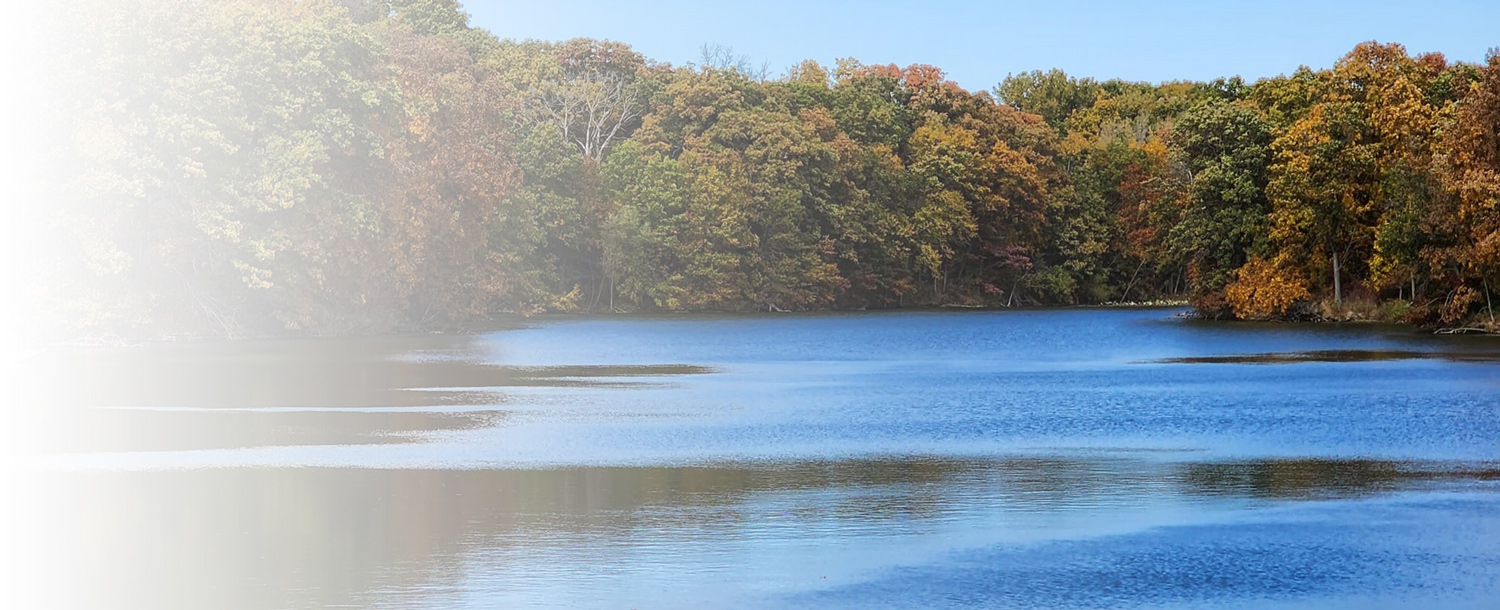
{"x": 978, "y": 43}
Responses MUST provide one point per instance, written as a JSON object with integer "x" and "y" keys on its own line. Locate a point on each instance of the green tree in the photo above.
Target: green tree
{"x": 1053, "y": 94}
{"x": 1225, "y": 149}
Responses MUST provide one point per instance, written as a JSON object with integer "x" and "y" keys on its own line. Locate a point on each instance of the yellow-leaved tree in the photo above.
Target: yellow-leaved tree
{"x": 1264, "y": 289}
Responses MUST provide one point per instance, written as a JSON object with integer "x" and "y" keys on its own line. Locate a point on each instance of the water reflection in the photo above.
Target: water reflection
{"x": 322, "y": 537}
{"x": 1027, "y": 459}
{"x": 1344, "y": 355}
{"x": 1303, "y": 479}
{"x": 1410, "y": 554}
{"x": 268, "y": 393}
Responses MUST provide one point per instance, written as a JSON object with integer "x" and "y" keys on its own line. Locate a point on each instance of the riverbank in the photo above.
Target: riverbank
{"x": 1391, "y": 313}
{"x": 1431, "y": 316}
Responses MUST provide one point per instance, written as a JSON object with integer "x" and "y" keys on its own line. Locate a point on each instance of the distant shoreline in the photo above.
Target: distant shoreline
{"x": 511, "y": 321}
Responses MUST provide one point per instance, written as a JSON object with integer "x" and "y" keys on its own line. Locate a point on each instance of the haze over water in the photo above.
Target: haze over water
{"x": 1061, "y": 459}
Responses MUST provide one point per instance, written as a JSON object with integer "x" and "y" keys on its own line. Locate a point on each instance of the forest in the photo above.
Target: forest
{"x": 248, "y": 167}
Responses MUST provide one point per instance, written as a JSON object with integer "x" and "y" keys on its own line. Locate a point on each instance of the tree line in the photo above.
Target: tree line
{"x": 238, "y": 167}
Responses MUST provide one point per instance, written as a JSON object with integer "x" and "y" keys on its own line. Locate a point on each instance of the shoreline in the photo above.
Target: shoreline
{"x": 507, "y": 321}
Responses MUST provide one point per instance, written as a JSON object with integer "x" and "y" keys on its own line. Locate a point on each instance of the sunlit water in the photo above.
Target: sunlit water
{"x": 1049, "y": 459}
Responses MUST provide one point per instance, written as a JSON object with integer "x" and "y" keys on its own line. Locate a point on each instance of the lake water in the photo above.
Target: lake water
{"x": 1033, "y": 459}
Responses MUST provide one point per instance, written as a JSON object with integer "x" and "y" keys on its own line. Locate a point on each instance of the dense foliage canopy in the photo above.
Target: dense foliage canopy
{"x": 336, "y": 166}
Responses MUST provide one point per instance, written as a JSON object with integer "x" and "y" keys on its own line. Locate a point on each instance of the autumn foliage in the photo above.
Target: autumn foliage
{"x": 241, "y": 167}
{"x": 1262, "y": 291}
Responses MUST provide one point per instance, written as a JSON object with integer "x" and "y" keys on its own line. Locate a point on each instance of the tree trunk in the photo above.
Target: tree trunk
{"x": 1013, "y": 288}
{"x": 1126, "y": 294}
{"x": 1487, "y": 306}
{"x": 598, "y": 290}
{"x": 1338, "y": 287}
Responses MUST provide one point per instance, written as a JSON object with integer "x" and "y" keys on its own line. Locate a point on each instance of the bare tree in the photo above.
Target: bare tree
{"x": 590, "y": 108}
{"x": 720, "y": 57}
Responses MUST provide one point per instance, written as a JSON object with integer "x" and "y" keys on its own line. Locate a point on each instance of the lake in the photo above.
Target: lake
{"x": 1109, "y": 458}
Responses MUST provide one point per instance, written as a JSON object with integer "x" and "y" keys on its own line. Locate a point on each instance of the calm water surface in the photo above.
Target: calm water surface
{"x": 1043, "y": 459}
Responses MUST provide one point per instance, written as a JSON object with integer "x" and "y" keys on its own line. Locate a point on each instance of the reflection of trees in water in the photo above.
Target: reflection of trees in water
{"x": 302, "y": 537}
{"x": 1335, "y": 355}
{"x": 295, "y": 537}
{"x": 278, "y": 537}
{"x": 309, "y": 536}
{"x": 1317, "y": 478}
